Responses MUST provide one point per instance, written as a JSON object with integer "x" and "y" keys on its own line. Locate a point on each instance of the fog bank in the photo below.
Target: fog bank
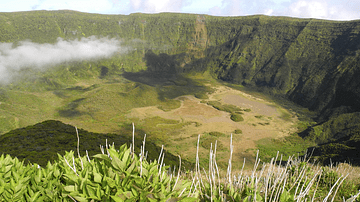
{"x": 42, "y": 56}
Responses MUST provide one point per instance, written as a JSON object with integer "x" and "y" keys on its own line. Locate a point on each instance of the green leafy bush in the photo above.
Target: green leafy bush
{"x": 118, "y": 175}
{"x": 236, "y": 117}
{"x": 121, "y": 175}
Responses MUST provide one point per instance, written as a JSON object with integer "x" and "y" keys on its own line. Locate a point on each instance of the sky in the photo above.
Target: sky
{"x": 343, "y": 10}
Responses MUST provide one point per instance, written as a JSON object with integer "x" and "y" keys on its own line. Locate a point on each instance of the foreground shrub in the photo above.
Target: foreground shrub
{"x": 116, "y": 175}
{"x": 121, "y": 175}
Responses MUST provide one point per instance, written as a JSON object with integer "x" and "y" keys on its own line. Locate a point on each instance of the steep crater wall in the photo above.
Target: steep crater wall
{"x": 314, "y": 63}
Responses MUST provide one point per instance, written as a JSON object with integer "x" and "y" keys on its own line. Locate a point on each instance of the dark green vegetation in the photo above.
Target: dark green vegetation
{"x": 238, "y": 131}
{"x": 338, "y": 138}
{"x": 236, "y": 117}
{"x": 287, "y": 147}
{"x": 121, "y": 175}
{"x": 235, "y": 112}
{"x": 226, "y": 108}
{"x": 313, "y": 63}
{"x": 43, "y": 142}
{"x": 118, "y": 175}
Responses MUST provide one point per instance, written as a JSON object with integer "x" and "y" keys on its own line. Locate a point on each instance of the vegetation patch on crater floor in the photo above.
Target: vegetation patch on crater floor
{"x": 236, "y": 117}
{"x": 286, "y": 146}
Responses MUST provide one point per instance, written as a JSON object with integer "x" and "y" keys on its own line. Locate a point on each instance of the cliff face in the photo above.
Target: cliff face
{"x": 314, "y": 63}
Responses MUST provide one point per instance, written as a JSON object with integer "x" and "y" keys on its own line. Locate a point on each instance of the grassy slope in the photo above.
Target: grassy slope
{"x": 312, "y": 62}
{"x": 42, "y": 142}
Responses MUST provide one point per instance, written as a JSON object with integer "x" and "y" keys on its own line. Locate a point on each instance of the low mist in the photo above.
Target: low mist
{"x": 42, "y": 56}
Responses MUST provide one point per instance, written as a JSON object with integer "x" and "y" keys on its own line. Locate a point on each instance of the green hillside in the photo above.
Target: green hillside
{"x": 313, "y": 63}
{"x": 43, "y": 142}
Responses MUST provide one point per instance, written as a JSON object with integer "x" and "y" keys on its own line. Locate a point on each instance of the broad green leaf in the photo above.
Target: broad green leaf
{"x": 98, "y": 191}
{"x": 127, "y": 194}
{"x": 97, "y": 177}
{"x": 126, "y": 156}
{"x": 15, "y": 175}
{"x": 189, "y": 199}
{"x": 110, "y": 182}
{"x": 118, "y": 164}
{"x": 152, "y": 199}
{"x": 134, "y": 192}
{"x": 117, "y": 199}
{"x": 162, "y": 188}
{"x": 35, "y": 197}
{"x": 1, "y": 189}
{"x": 259, "y": 197}
{"x": 30, "y": 191}
{"x": 69, "y": 188}
{"x": 145, "y": 172}
{"x": 56, "y": 172}
{"x": 71, "y": 176}
{"x": 131, "y": 167}
{"x": 286, "y": 196}
{"x": 113, "y": 153}
{"x": 125, "y": 181}
{"x": 24, "y": 180}
{"x": 38, "y": 176}
{"x": 247, "y": 198}
{"x": 91, "y": 192}
{"x": 19, "y": 187}
{"x": 153, "y": 169}
{"x": 139, "y": 181}
{"x": 83, "y": 183}
{"x": 7, "y": 168}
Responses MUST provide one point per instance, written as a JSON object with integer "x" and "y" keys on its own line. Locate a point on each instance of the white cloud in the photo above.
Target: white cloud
{"x": 269, "y": 12}
{"x": 216, "y": 10}
{"x": 17, "y": 5}
{"x": 201, "y": 6}
{"x": 233, "y": 7}
{"x": 309, "y": 9}
{"x": 321, "y": 9}
{"x": 136, "y": 4}
{"x": 325, "y": 9}
{"x": 156, "y": 6}
{"x": 41, "y": 56}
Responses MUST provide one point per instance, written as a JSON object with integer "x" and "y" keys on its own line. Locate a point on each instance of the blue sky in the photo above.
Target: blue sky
{"x": 322, "y": 9}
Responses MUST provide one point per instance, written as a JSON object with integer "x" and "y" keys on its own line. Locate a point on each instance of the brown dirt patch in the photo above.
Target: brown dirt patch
{"x": 210, "y": 119}
{"x": 256, "y": 106}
